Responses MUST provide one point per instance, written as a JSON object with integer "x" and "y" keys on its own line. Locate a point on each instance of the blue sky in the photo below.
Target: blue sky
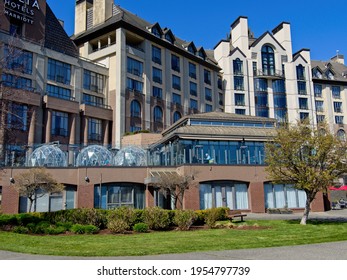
{"x": 317, "y": 25}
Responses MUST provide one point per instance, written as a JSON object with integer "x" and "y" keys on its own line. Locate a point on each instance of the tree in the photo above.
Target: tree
{"x": 36, "y": 183}
{"x": 310, "y": 158}
{"x": 174, "y": 185}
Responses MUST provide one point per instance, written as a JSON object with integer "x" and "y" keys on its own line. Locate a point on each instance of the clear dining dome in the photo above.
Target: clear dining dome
{"x": 131, "y": 156}
{"x": 94, "y": 155}
{"x": 47, "y": 155}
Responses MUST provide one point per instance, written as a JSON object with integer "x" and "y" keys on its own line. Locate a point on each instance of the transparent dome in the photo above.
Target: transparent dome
{"x": 131, "y": 156}
{"x": 94, "y": 155}
{"x": 47, "y": 155}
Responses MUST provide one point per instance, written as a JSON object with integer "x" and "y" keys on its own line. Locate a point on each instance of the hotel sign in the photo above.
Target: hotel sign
{"x": 23, "y": 10}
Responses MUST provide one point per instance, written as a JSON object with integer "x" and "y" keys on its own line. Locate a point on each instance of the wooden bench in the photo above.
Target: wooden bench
{"x": 231, "y": 214}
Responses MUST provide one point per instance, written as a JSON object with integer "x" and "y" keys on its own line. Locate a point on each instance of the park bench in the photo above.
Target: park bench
{"x": 231, "y": 214}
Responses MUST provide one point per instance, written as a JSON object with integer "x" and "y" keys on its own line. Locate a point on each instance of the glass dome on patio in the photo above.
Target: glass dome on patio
{"x": 131, "y": 156}
{"x": 94, "y": 155}
{"x": 47, "y": 155}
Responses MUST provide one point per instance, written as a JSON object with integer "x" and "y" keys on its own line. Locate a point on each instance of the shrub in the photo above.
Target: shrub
{"x": 84, "y": 229}
{"x": 156, "y": 218}
{"x": 184, "y": 219}
{"x": 213, "y": 215}
{"x": 39, "y": 228}
{"x": 8, "y": 220}
{"x": 118, "y": 226}
{"x": 27, "y": 218}
{"x": 200, "y": 217}
{"x": 53, "y": 230}
{"x": 21, "y": 230}
{"x": 140, "y": 227}
{"x": 86, "y": 216}
{"x": 126, "y": 214}
{"x": 66, "y": 225}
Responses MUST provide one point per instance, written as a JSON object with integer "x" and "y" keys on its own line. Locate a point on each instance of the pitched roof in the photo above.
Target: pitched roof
{"x": 339, "y": 70}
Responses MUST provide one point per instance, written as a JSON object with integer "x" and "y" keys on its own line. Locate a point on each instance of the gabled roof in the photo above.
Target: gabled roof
{"x": 156, "y": 26}
{"x": 168, "y": 32}
{"x": 257, "y": 41}
{"x": 236, "y": 50}
{"x": 297, "y": 56}
{"x": 339, "y": 70}
{"x": 190, "y": 45}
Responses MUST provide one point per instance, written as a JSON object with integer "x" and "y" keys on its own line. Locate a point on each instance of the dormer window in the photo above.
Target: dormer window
{"x": 316, "y": 73}
{"x": 330, "y": 75}
{"x": 156, "y": 32}
{"x": 169, "y": 36}
{"x": 202, "y": 54}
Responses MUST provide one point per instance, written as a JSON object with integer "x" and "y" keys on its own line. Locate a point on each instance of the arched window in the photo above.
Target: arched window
{"x": 341, "y": 135}
{"x": 176, "y": 116}
{"x": 135, "y": 109}
{"x": 238, "y": 66}
{"x": 158, "y": 114}
{"x": 268, "y": 60}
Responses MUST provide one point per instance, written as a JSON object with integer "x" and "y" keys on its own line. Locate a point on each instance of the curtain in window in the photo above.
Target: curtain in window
{"x": 241, "y": 196}
{"x": 302, "y": 198}
{"x": 279, "y": 196}
{"x": 55, "y": 203}
{"x": 70, "y": 198}
{"x": 42, "y": 203}
{"x": 291, "y": 197}
{"x": 269, "y": 198}
{"x": 229, "y": 197}
{"x": 219, "y": 197}
{"x": 205, "y": 196}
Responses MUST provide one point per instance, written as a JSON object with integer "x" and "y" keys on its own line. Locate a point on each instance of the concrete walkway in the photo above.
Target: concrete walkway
{"x": 322, "y": 251}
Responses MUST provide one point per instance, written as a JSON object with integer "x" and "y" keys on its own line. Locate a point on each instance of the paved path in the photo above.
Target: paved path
{"x": 322, "y": 251}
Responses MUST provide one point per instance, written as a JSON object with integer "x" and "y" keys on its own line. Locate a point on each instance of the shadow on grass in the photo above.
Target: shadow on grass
{"x": 318, "y": 221}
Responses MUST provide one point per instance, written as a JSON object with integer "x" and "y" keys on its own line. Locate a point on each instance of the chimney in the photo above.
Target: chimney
{"x": 282, "y": 34}
{"x": 81, "y": 8}
{"x": 239, "y": 34}
{"x": 102, "y": 11}
{"x": 339, "y": 58}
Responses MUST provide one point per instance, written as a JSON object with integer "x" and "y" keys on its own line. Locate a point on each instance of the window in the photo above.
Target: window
{"x": 176, "y": 116}
{"x": 156, "y": 31}
{"x": 220, "y": 83}
{"x": 283, "y": 196}
{"x": 207, "y": 77}
{"x": 303, "y": 104}
{"x": 156, "y": 54}
{"x": 303, "y": 116}
{"x": 115, "y": 195}
{"x": 169, "y": 37}
{"x": 176, "y": 82}
{"x": 193, "y": 104}
{"x": 238, "y": 67}
{"x": 330, "y": 75}
{"x": 319, "y": 106}
{"x": 17, "y": 117}
{"x": 93, "y": 100}
{"x": 134, "y": 85}
{"x": 193, "y": 89}
{"x": 240, "y": 111}
{"x": 191, "y": 48}
{"x": 341, "y": 135}
{"x": 60, "y": 123}
{"x": 175, "y": 63}
{"x": 337, "y": 107}
{"x": 135, "y": 67}
{"x": 260, "y": 85}
{"x": 59, "y": 72}
{"x": 238, "y": 83}
{"x": 94, "y": 129}
{"x": 302, "y": 87}
{"x": 158, "y": 114}
{"x": 339, "y": 119}
{"x": 261, "y": 104}
{"x": 208, "y": 94}
{"x": 18, "y": 60}
{"x": 16, "y": 27}
{"x": 17, "y": 82}
{"x": 316, "y": 73}
{"x": 93, "y": 81}
{"x": 223, "y": 194}
{"x": 280, "y": 100}
{"x": 59, "y": 92}
{"x": 255, "y": 70}
{"x": 239, "y": 99}
{"x": 336, "y": 92}
{"x": 268, "y": 60}
{"x": 320, "y": 118}
{"x": 278, "y": 86}
{"x": 221, "y": 99}
{"x": 317, "y": 90}
{"x": 176, "y": 98}
{"x": 300, "y": 72}
{"x": 157, "y": 75}
{"x": 135, "y": 109}
{"x": 157, "y": 92}
{"x": 208, "y": 108}
{"x": 192, "y": 70}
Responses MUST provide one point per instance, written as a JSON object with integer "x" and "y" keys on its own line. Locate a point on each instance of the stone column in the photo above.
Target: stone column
{"x": 85, "y": 131}
{"x": 72, "y": 141}
{"x": 106, "y": 132}
{"x": 49, "y": 126}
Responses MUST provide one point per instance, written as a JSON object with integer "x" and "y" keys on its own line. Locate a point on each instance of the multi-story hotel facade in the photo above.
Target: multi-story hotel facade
{"x": 73, "y": 100}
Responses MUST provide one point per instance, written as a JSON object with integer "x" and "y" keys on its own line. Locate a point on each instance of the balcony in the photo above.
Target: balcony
{"x": 272, "y": 75}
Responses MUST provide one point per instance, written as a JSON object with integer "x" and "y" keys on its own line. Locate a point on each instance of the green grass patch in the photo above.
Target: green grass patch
{"x": 267, "y": 234}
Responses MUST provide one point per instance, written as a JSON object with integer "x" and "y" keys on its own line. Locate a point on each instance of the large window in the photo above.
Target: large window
{"x": 18, "y": 60}
{"x": 336, "y": 92}
{"x": 93, "y": 100}
{"x": 278, "y": 86}
{"x": 317, "y": 90}
{"x": 135, "y": 109}
{"x": 193, "y": 104}
{"x": 339, "y": 119}
{"x": 157, "y": 92}
{"x": 303, "y": 103}
{"x": 135, "y": 67}
{"x": 59, "y": 92}
{"x": 115, "y": 195}
{"x": 300, "y": 72}
{"x": 93, "y": 81}
{"x": 302, "y": 87}
{"x": 192, "y": 70}
{"x": 268, "y": 60}
{"x": 17, "y": 117}
{"x": 94, "y": 129}
{"x": 223, "y": 194}
{"x": 207, "y": 76}
{"x": 193, "y": 89}
{"x": 283, "y": 195}
{"x": 337, "y": 107}
{"x": 208, "y": 94}
{"x": 319, "y": 106}
{"x": 238, "y": 66}
{"x": 59, "y": 72}
{"x": 16, "y": 82}
{"x": 238, "y": 83}
{"x": 176, "y": 98}
{"x": 157, "y": 75}
{"x": 156, "y": 54}
{"x": 134, "y": 85}
{"x": 158, "y": 114}
{"x": 60, "y": 122}
{"x": 176, "y": 116}
{"x": 239, "y": 99}
{"x": 176, "y": 82}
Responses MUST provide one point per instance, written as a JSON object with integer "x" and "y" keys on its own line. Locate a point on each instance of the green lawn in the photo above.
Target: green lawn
{"x": 278, "y": 233}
